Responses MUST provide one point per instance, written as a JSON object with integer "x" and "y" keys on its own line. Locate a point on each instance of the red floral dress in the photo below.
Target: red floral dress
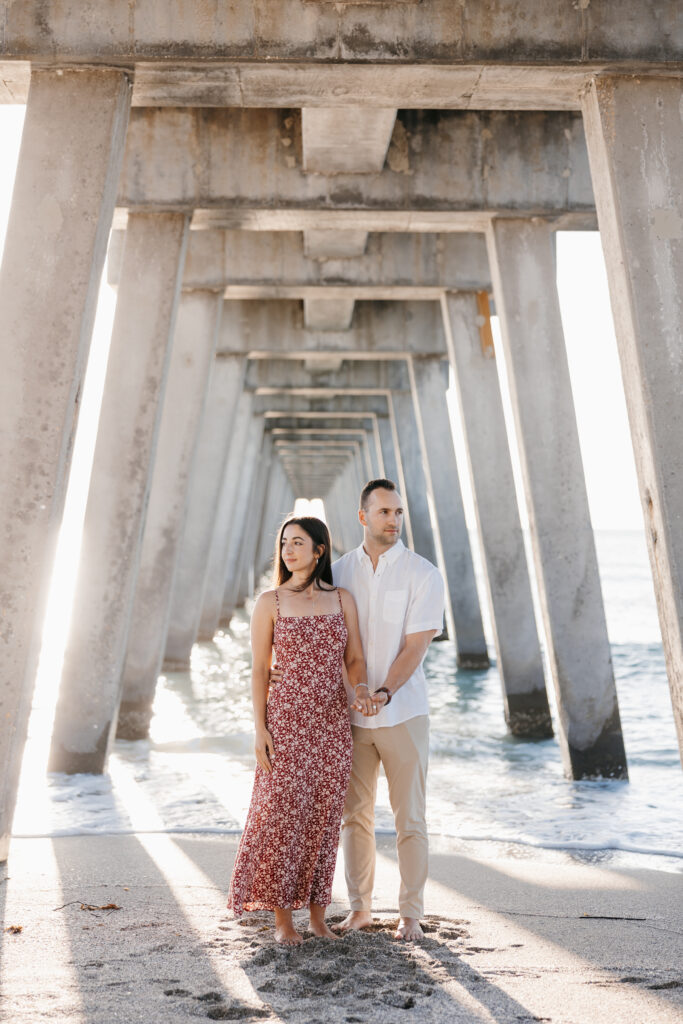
{"x": 288, "y": 850}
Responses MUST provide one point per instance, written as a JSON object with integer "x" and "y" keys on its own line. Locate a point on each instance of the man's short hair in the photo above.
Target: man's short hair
{"x": 375, "y": 485}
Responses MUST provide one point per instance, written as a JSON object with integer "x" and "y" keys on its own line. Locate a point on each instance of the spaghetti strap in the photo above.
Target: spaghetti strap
{"x": 341, "y": 606}
{"x": 277, "y": 603}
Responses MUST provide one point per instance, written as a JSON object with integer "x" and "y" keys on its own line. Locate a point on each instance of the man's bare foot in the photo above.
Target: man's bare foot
{"x": 318, "y": 925}
{"x": 409, "y": 930}
{"x": 355, "y": 920}
{"x": 287, "y": 935}
{"x": 285, "y": 932}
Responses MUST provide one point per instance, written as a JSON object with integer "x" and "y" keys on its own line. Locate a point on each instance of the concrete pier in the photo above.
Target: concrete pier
{"x": 351, "y": 172}
{"x": 243, "y": 484}
{"x": 414, "y": 483}
{"x": 62, "y": 207}
{"x": 429, "y": 383}
{"x": 192, "y": 357}
{"x": 518, "y": 653}
{"x": 214, "y": 588}
{"x": 85, "y": 717}
{"x": 641, "y": 226}
{"x": 523, "y": 271}
{"x": 205, "y": 484}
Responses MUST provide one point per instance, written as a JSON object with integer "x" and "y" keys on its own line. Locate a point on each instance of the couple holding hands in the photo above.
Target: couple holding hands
{"x": 374, "y": 612}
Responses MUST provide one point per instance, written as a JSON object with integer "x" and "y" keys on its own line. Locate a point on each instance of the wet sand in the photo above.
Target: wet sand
{"x": 142, "y": 934}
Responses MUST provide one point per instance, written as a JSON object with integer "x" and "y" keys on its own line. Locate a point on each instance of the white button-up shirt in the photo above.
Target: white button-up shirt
{"x": 405, "y": 594}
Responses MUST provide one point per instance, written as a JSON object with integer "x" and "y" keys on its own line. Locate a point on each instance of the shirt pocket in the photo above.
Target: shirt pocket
{"x": 395, "y": 604}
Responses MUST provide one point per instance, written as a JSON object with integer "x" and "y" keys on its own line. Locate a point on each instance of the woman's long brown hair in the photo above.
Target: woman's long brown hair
{"x": 320, "y": 535}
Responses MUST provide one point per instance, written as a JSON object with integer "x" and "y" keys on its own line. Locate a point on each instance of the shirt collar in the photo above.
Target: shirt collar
{"x": 389, "y": 556}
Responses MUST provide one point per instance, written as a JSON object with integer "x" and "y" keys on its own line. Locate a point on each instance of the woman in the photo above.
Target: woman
{"x": 303, "y": 744}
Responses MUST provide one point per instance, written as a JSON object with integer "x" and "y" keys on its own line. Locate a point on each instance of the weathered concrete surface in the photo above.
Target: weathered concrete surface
{"x": 142, "y": 334}
{"x": 225, "y": 387}
{"x": 214, "y": 588}
{"x": 518, "y": 652}
{"x": 246, "y": 572}
{"x": 314, "y": 375}
{"x": 412, "y": 480}
{"x": 54, "y": 252}
{"x": 523, "y": 269}
{"x": 390, "y": 330}
{"x": 194, "y": 345}
{"x": 239, "y": 522}
{"x": 328, "y": 314}
{"x": 278, "y": 501}
{"x": 338, "y": 140}
{"x": 334, "y": 245}
{"x": 322, "y": 31}
{"x": 231, "y": 165}
{"x": 265, "y": 264}
{"x": 641, "y": 225}
{"x": 429, "y": 382}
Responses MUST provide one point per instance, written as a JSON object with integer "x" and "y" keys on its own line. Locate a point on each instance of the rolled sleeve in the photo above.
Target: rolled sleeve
{"x": 426, "y": 608}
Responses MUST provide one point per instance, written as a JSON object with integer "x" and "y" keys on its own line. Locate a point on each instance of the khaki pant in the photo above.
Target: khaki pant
{"x": 403, "y": 751}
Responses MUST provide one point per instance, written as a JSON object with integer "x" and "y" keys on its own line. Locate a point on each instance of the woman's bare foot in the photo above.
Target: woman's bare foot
{"x": 318, "y": 925}
{"x": 285, "y": 932}
{"x": 409, "y": 930}
{"x": 355, "y": 920}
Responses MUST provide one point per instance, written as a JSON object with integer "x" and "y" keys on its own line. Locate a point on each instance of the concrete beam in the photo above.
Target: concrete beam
{"x": 342, "y": 140}
{"x": 54, "y": 252}
{"x": 329, "y": 33}
{"x": 353, "y": 376}
{"x": 381, "y": 331}
{"x": 321, "y": 405}
{"x": 328, "y": 314}
{"x": 458, "y": 169}
{"x": 261, "y": 264}
{"x": 335, "y": 245}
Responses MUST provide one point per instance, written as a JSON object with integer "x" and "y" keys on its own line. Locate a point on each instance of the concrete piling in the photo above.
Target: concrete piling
{"x": 523, "y": 271}
{"x": 518, "y": 652}
{"x": 192, "y": 357}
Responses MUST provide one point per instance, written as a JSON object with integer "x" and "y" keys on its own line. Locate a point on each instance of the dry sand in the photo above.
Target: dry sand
{"x": 507, "y": 940}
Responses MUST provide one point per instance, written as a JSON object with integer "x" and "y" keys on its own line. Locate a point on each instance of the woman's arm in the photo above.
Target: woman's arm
{"x": 353, "y": 656}
{"x": 261, "y": 654}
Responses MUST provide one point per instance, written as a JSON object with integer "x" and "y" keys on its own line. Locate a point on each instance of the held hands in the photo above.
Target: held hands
{"x": 368, "y": 703}
{"x": 263, "y": 748}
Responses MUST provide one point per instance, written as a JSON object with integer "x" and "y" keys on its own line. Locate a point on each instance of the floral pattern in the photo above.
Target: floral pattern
{"x": 288, "y": 850}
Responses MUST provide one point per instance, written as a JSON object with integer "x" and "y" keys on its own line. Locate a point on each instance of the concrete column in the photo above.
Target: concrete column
{"x": 374, "y": 454}
{"x": 633, "y": 132}
{"x": 414, "y": 484}
{"x": 255, "y": 520}
{"x": 85, "y": 717}
{"x": 389, "y": 453}
{"x": 225, "y": 387}
{"x": 240, "y": 525}
{"x": 520, "y": 664}
{"x": 214, "y": 588}
{"x": 192, "y": 357}
{"x": 62, "y": 207}
{"x": 276, "y": 507}
{"x": 523, "y": 270}
{"x": 429, "y": 382}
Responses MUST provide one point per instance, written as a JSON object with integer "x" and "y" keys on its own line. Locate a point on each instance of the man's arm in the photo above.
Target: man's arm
{"x": 407, "y": 660}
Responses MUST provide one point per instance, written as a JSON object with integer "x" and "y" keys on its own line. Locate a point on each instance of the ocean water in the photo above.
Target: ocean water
{"x": 486, "y": 789}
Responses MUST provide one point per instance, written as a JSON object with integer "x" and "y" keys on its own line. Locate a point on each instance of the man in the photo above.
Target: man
{"x": 400, "y": 600}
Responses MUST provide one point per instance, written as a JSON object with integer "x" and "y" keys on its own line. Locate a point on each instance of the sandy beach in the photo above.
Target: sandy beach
{"x": 134, "y": 928}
